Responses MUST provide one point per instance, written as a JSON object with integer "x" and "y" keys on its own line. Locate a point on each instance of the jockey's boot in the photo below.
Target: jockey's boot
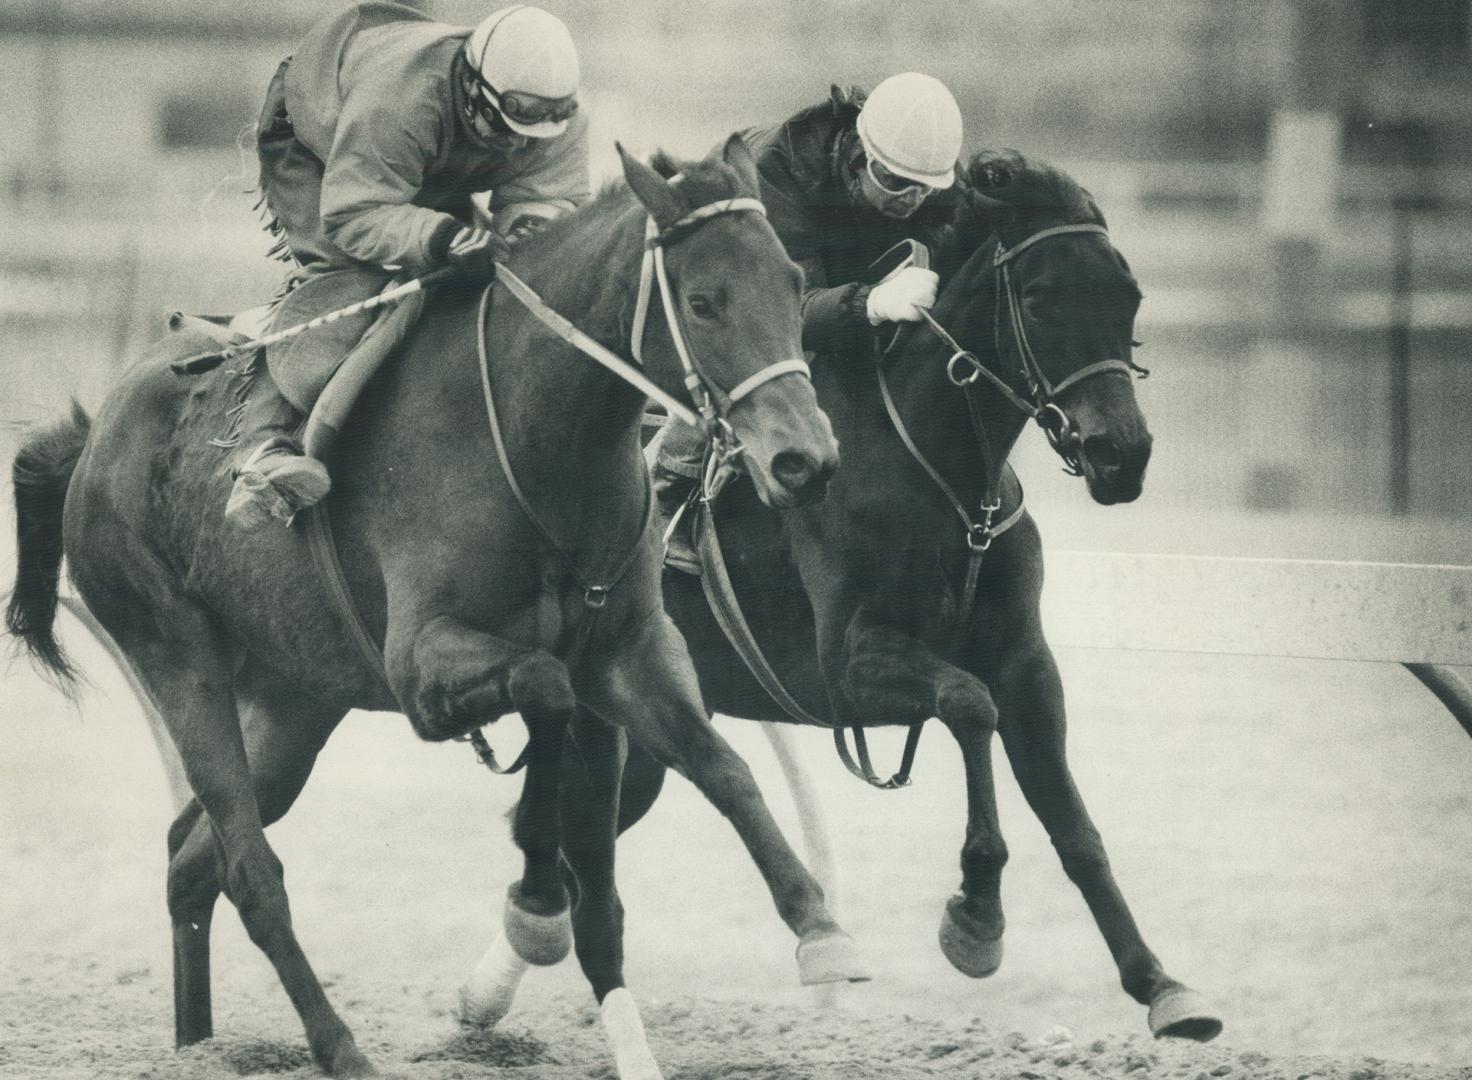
{"x": 275, "y": 482}
{"x": 673, "y": 490}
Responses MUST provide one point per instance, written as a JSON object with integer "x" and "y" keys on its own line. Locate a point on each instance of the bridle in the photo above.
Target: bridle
{"x": 712, "y": 403}
{"x": 1040, "y": 402}
{"x": 963, "y": 369}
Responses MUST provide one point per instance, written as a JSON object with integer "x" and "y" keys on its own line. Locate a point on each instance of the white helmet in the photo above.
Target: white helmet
{"x": 526, "y": 66}
{"x": 911, "y": 125}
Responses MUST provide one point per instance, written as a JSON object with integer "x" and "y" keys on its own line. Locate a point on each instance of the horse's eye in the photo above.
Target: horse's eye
{"x": 701, "y": 306}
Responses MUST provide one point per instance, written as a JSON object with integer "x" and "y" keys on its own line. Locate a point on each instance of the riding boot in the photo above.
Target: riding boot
{"x": 673, "y": 490}
{"x": 276, "y": 479}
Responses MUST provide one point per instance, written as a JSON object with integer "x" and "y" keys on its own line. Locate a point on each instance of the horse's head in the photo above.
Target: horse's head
{"x": 1065, "y": 312}
{"x": 732, "y": 294}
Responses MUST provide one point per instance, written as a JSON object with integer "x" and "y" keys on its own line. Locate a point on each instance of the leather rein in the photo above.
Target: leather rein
{"x": 712, "y": 403}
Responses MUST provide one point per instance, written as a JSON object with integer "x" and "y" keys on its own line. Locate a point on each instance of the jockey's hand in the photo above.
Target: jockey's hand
{"x": 903, "y": 297}
{"x": 475, "y": 252}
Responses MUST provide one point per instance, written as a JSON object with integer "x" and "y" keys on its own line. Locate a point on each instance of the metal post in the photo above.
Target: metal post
{"x": 1400, "y": 354}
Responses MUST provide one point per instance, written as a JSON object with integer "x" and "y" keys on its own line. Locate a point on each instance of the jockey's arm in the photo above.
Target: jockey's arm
{"x": 370, "y": 179}
{"x": 834, "y": 314}
{"x": 552, "y": 181}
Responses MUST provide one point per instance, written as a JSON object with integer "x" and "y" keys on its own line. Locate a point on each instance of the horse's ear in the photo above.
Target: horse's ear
{"x": 739, "y": 156}
{"x": 656, "y": 195}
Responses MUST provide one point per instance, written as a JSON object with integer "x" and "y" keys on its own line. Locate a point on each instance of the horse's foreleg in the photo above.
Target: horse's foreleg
{"x": 1033, "y": 728}
{"x": 590, "y": 811}
{"x": 451, "y": 679}
{"x": 488, "y": 994}
{"x": 890, "y": 677}
{"x": 651, "y": 689}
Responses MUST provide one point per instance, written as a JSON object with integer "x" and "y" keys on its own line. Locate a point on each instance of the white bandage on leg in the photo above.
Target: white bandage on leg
{"x": 487, "y": 995}
{"x": 625, "y": 1033}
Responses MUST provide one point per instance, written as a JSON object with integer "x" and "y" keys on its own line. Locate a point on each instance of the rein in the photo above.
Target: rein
{"x": 963, "y": 369}
{"x": 712, "y": 405}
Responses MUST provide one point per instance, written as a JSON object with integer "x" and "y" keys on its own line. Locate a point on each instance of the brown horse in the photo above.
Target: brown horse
{"x": 488, "y": 594}
{"x": 901, "y": 596}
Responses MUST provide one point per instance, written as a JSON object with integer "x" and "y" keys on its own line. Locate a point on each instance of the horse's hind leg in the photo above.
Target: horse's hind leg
{"x": 1029, "y": 696}
{"x": 283, "y": 731}
{"x": 650, "y": 688}
{"x": 186, "y": 666}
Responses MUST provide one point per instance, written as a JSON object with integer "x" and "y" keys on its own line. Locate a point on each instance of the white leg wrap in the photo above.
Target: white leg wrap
{"x": 625, "y": 1033}
{"x": 486, "y": 997}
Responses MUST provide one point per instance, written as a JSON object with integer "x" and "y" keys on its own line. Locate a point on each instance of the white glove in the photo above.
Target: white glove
{"x": 903, "y": 297}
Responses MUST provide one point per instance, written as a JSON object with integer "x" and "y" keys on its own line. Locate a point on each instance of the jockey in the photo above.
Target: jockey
{"x": 843, "y": 182}
{"x": 375, "y": 134}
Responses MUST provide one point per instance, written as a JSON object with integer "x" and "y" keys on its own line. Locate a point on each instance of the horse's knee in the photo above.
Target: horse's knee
{"x": 965, "y": 705}
{"x": 539, "y": 684}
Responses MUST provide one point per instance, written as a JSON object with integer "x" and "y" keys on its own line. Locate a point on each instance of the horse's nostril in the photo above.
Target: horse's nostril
{"x": 1102, "y": 453}
{"x": 792, "y": 470}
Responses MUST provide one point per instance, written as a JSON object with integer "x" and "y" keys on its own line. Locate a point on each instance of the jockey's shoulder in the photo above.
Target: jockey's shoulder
{"x": 799, "y": 148}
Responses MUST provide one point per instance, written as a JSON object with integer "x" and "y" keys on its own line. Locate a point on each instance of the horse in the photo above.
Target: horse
{"x": 912, "y": 590}
{"x": 531, "y": 587}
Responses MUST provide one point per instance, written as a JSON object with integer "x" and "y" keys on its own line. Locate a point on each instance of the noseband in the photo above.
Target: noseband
{"x": 1040, "y": 403}
{"x": 713, "y": 403}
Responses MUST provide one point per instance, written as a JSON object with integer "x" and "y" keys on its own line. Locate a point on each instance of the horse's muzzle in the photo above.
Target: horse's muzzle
{"x": 1114, "y": 471}
{"x": 802, "y": 478}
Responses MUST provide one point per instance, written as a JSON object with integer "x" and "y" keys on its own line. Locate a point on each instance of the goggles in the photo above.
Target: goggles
{"x": 521, "y": 107}
{"x": 891, "y": 184}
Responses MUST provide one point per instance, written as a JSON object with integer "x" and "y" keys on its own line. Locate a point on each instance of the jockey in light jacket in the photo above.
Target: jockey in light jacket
{"x": 375, "y": 134}
{"x": 844, "y": 181}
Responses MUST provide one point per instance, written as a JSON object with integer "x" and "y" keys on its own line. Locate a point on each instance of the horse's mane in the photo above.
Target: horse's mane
{"x": 699, "y": 182}
{"x": 1009, "y": 195}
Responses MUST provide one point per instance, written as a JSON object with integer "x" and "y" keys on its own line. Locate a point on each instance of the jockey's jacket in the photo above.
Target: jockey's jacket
{"x": 806, "y": 165}
{"x": 375, "y": 93}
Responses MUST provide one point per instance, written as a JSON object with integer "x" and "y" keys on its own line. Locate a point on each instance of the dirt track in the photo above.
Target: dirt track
{"x": 1293, "y": 838}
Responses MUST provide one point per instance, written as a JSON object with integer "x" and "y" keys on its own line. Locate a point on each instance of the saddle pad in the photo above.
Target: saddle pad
{"x": 301, "y": 367}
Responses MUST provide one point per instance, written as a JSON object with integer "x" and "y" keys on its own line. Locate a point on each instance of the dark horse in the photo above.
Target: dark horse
{"x": 860, "y": 603}
{"x": 489, "y": 595}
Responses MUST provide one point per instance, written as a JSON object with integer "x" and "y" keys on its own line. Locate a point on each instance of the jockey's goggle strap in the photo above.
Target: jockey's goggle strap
{"x": 524, "y": 107}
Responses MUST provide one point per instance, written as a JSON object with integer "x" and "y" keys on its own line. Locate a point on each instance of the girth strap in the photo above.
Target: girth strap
{"x": 329, "y": 568}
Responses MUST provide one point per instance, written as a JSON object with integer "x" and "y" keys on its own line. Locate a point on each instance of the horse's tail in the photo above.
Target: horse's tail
{"x": 42, "y": 470}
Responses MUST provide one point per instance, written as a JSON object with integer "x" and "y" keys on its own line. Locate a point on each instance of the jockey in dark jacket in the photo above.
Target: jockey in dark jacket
{"x": 844, "y": 181}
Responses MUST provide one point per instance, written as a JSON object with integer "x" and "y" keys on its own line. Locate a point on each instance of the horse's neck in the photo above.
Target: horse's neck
{"x": 936, "y": 410}
{"x": 549, "y": 395}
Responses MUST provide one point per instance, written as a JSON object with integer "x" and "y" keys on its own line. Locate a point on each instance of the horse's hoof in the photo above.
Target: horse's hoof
{"x": 348, "y": 1061}
{"x": 543, "y": 940}
{"x": 483, "y": 1010}
{"x": 969, "y": 951}
{"x": 830, "y": 958}
{"x": 1182, "y": 1013}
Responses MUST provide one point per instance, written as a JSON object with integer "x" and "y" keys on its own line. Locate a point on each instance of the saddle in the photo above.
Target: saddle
{"x": 321, "y": 372}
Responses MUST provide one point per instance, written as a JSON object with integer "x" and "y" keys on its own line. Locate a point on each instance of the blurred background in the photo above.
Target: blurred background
{"x": 1290, "y": 180}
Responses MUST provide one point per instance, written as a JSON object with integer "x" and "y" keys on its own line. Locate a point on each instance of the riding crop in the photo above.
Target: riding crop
{"x": 208, "y": 361}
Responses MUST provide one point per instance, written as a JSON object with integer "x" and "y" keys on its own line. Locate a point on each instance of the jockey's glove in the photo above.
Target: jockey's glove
{"x": 475, "y": 252}
{"x": 903, "y": 297}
